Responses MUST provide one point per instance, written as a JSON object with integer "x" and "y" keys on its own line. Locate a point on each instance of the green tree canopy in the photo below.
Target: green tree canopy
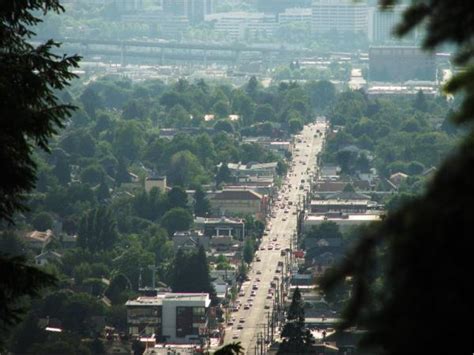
{"x": 98, "y": 230}
{"x": 30, "y": 114}
{"x": 177, "y": 219}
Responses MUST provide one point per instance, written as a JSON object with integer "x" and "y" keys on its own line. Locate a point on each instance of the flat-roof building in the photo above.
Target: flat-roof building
{"x": 170, "y": 317}
{"x": 340, "y": 16}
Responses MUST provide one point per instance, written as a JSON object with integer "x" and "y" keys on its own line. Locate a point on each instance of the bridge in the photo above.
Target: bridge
{"x": 199, "y": 52}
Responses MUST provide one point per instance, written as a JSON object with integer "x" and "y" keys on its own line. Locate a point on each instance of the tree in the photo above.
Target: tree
{"x": 321, "y": 93}
{"x": 201, "y": 206}
{"x": 61, "y": 170}
{"x": 249, "y": 250}
{"x": 184, "y": 168}
{"x": 221, "y": 109}
{"x": 295, "y": 125}
{"x": 224, "y": 125}
{"x": 177, "y": 219}
{"x": 91, "y": 101}
{"x": 230, "y": 349}
{"x": 297, "y": 339}
{"x": 42, "y": 221}
{"x": 92, "y": 175}
{"x": 191, "y": 273}
{"x": 223, "y": 174}
{"x": 411, "y": 240}
{"x": 177, "y": 197}
{"x": 103, "y": 192}
{"x": 97, "y": 230}
{"x": 264, "y": 113}
{"x": 30, "y": 114}
{"x": 29, "y": 111}
{"x": 420, "y": 103}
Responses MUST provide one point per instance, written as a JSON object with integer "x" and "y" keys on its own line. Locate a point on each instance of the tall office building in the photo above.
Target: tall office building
{"x": 194, "y": 10}
{"x": 341, "y": 16}
{"x": 382, "y": 23}
{"x": 277, "y": 6}
{"x": 128, "y": 5}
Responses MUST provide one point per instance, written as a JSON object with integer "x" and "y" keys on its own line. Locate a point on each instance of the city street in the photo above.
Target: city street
{"x": 257, "y": 294}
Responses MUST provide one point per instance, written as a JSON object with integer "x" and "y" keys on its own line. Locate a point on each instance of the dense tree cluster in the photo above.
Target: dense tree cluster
{"x": 391, "y": 135}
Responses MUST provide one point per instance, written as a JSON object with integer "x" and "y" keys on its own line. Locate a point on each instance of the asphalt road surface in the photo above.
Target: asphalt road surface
{"x": 278, "y": 236}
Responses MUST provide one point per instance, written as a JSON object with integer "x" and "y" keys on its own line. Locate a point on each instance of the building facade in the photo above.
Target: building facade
{"x": 194, "y": 10}
{"x": 243, "y": 25}
{"x": 400, "y": 63}
{"x": 339, "y": 16}
{"x": 382, "y": 24}
{"x": 221, "y": 226}
{"x": 238, "y": 202}
{"x": 170, "y": 317}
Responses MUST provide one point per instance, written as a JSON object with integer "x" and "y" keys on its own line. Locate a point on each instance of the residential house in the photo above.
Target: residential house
{"x": 68, "y": 241}
{"x": 190, "y": 240}
{"x": 155, "y": 181}
{"x": 47, "y": 257}
{"x": 37, "y": 240}
{"x": 398, "y": 178}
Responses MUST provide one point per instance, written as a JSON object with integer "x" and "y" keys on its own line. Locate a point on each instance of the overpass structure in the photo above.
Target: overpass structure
{"x": 163, "y": 51}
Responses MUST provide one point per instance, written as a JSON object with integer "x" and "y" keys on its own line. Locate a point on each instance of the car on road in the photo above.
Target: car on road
{"x": 259, "y": 272}
{"x": 269, "y": 296}
{"x": 240, "y": 326}
{"x": 246, "y": 306}
{"x": 258, "y": 259}
{"x": 230, "y": 323}
{"x": 242, "y": 320}
{"x": 267, "y": 306}
{"x": 235, "y": 335}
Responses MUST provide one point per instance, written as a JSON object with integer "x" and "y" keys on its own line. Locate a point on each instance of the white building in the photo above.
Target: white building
{"x": 172, "y": 317}
{"x": 242, "y": 25}
{"x": 341, "y": 16}
{"x": 381, "y": 23}
{"x": 295, "y": 15}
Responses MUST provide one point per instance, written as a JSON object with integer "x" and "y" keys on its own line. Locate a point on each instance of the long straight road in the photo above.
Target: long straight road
{"x": 257, "y": 297}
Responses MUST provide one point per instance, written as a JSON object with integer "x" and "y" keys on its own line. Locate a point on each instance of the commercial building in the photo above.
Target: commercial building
{"x": 400, "y": 63}
{"x": 243, "y": 25}
{"x": 170, "y": 317}
{"x": 339, "y": 16}
{"x": 295, "y": 15}
{"x": 344, "y": 221}
{"x": 128, "y": 5}
{"x": 278, "y": 6}
{"x": 257, "y": 169}
{"x": 382, "y": 23}
{"x": 238, "y": 202}
{"x": 221, "y": 226}
{"x": 194, "y": 10}
{"x": 345, "y": 208}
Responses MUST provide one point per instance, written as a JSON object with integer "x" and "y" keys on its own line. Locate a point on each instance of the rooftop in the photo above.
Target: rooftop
{"x": 237, "y": 195}
{"x": 159, "y": 299}
{"x": 351, "y": 217}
